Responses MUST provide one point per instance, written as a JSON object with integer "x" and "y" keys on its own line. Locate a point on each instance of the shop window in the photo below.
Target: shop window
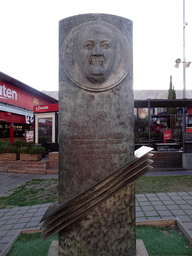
{"x": 4, "y": 130}
{"x": 45, "y": 128}
{"x": 20, "y": 130}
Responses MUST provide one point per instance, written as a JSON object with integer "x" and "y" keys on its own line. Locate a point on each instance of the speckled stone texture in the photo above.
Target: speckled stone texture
{"x": 140, "y": 248}
{"x": 95, "y": 138}
{"x": 107, "y": 230}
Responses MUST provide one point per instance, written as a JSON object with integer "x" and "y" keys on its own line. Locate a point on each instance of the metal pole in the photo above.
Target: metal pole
{"x": 184, "y": 92}
{"x": 149, "y": 122}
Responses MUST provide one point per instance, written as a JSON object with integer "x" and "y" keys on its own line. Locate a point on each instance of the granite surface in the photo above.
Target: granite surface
{"x": 96, "y": 131}
{"x": 140, "y": 248}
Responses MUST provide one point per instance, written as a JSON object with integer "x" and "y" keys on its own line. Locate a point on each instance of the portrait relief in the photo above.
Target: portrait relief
{"x": 96, "y": 56}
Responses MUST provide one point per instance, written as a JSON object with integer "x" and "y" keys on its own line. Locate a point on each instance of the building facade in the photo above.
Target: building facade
{"x": 16, "y": 108}
{"x": 141, "y": 94}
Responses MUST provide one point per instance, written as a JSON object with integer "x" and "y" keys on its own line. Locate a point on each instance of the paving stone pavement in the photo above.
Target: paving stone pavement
{"x": 148, "y": 207}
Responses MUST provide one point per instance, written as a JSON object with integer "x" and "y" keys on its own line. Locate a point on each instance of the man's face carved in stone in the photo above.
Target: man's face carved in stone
{"x": 96, "y": 52}
{"x": 96, "y": 56}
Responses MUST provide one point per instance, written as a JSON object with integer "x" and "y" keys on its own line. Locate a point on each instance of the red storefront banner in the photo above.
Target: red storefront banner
{"x": 18, "y": 97}
{"x": 46, "y": 108}
{"x": 12, "y": 118}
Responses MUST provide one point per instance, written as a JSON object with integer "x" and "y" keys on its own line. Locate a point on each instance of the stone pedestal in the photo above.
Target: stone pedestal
{"x": 140, "y": 248}
{"x": 96, "y": 130}
{"x": 187, "y": 160}
{"x": 107, "y": 230}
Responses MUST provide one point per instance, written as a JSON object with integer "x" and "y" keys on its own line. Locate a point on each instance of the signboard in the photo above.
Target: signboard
{"x": 18, "y": 97}
{"x": 29, "y": 136}
{"x": 7, "y": 93}
{"x": 167, "y": 135}
{"x": 46, "y": 108}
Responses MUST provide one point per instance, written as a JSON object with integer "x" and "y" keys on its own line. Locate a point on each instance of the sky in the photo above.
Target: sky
{"x": 29, "y": 32}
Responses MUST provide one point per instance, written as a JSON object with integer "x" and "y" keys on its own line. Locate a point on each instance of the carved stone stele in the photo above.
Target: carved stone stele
{"x": 96, "y": 133}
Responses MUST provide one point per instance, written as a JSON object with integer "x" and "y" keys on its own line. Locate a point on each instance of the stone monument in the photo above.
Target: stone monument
{"x": 96, "y": 134}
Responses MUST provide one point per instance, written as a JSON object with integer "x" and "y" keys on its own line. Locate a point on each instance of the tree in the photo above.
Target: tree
{"x": 171, "y": 96}
{"x": 172, "y": 119}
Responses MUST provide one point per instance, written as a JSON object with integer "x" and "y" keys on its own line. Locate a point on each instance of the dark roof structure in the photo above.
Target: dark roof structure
{"x": 154, "y": 103}
{"x": 17, "y": 83}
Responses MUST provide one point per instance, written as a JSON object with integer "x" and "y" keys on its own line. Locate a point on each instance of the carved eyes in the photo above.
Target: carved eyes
{"x": 89, "y": 45}
{"x": 103, "y": 45}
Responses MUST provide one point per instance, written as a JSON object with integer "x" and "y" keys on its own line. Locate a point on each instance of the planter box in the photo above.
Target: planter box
{"x": 8, "y": 157}
{"x": 28, "y": 157}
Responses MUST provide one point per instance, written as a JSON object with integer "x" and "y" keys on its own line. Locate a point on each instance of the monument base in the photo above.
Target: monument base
{"x": 140, "y": 248}
{"x": 187, "y": 160}
{"x": 109, "y": 229}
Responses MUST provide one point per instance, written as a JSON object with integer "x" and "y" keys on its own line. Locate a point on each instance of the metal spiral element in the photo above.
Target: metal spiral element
{"x": 58, "y": 217}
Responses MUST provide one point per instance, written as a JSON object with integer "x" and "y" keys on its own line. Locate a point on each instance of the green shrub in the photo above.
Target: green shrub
{"x": 32, "y": 149}
{"x": 19, "y": 143}
{"x": 3, "y": 146}
{"x": 12, "y": 149}
{"x": 24, "y": 150}
{"x": 21, "y": 147}
{"x": 6, "y": 147}
{"x": 31, "y": 144}
{"x": 36, "y": 150}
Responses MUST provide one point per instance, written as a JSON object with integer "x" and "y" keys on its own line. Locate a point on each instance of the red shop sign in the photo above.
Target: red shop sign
{"x": 46, "y": 108}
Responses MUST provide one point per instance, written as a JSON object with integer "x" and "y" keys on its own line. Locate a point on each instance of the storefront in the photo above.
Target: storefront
{"x": 46, "y": 126}
{"x": 46, "y": 123}
{"x": 16, "y": 108}
{"x": 173, "y": 127}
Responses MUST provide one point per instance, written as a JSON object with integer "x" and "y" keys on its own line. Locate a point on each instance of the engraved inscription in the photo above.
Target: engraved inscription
{"x": 95, "y": 147}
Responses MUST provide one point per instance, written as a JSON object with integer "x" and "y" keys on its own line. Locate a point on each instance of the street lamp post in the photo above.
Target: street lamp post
{"x": 184, "y": 25}
{"x": 185, "y": 65}
{"x": 178, "y": 61}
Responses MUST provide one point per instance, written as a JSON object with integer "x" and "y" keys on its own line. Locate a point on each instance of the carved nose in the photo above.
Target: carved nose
{"x": 97, "y": 50}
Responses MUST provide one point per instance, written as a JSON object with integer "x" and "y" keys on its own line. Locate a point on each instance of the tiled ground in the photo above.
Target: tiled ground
{"x": 18, "y": 218}
{"x": 164, "y": 205}
{"x": 148, "y": 207}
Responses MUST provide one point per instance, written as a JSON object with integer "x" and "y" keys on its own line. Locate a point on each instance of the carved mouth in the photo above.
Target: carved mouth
{"x": 97, "y": 60}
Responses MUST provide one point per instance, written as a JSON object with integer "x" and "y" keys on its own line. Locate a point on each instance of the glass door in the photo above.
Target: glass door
{"x": 45, "y": 128}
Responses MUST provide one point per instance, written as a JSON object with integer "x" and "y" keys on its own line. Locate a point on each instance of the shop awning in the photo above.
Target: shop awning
{"x": 15, "y": 110}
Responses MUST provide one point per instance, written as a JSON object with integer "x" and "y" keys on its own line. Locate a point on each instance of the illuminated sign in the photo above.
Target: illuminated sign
{"x": 46, "y": 108}
{"x": 24, "y": 98}
{"x": 6, "y": 93}
{"x": 39, "y": 108}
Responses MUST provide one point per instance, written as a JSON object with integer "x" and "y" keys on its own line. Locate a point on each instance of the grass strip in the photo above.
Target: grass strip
{"x": 163, "y": 184}
{"x": 36, "y": 191}
{"x": 41, "y": 191}
{"x": 163, "y": 241}
{"x": 31, "y": 245}
{"x": 158, "y": 242}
